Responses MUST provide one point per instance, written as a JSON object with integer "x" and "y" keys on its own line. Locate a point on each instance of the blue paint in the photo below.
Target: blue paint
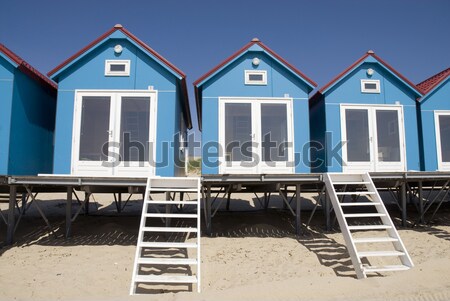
{"x": 87, "y": 72}
{"x": 325, "y": 111}
{"x": 437, "y": 99}
{"x": 229, "y": 81}
{"x": 27, "y": 112}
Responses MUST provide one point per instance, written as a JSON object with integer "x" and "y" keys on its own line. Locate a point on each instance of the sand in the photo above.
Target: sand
{"x": 252, "y": 255}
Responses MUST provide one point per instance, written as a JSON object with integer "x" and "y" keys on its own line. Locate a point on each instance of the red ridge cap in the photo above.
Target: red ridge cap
{"x": 106, "y": 34}
{"x": 431, "y": 82}
{"x": 28, "y": 69}
{"x": 369, "y": 53}
{"x": 240, "y": 51}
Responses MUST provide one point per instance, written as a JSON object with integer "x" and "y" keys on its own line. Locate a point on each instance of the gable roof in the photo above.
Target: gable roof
{"x": 432, "y": 82}
{"x": 159, "y": 58}
{"x": 199, "y": 82}
{"x": 26, "y": 68}
{"x": 359, "y": 62}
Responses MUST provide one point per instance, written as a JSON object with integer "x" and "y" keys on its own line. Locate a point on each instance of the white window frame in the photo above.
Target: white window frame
{"x": 108, "y": 71}
{"x": 247, "y": 74}
{"x": 373, "y": 165}
{"x": 93, "y": 168}
{"x": 442, "y": 166}
{"x": 284, "y": 167}
{"x": 370, "y": 81}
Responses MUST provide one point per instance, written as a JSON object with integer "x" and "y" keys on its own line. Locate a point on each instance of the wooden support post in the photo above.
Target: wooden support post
{"x": 119, "y": 202}
{"x": 420, "y": 196}
{"x": 208, "y": 210}
{"x": 298, "y": 221}
{"x": 11, "y": 216}
{"x": 69, "y": 212}
{"x": 327, "y": 211}
{"x": 87, "y": 197}
{"x": 403, "y": 203}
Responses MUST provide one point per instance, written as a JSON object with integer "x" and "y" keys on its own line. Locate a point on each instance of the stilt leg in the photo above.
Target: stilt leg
{"x": 327, "y": 212}
{"x": 87, "y": 196}
{"x": 298, "y": 221}
{"x": 208, "y": 210}
{"x": 69, "y": 212}
{"x": 403, "y": 203}
{"x": 11, "y": 216}
{"x": 420, "y": 196}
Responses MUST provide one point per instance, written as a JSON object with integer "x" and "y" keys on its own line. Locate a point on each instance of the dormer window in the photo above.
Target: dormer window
{"x": 370, "y": 86}
{"x": 255, "y": 77}
{"x": 117, "y": 68}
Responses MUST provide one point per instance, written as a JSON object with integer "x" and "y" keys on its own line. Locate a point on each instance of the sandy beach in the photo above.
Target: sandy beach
{"x": 251, "y": 255}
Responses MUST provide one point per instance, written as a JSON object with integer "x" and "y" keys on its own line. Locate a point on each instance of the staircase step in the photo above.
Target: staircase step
{"x": 387, "y": 268}
{"x": 166, "y": 202}
{"x": 167, "y": 261}
{"x": 374, "y": 240}
{"x": 356, "y": 193}
{"x": 171, "y": 215}
{"x": 169, "y": 229}
{"x": 380, "y": 254}
{"x": 364, "y": 215}
{"x": 359, "y": 204}
{"x": 369, "y": 227}
{"x": 180, "y": 245}
{"x": 165, "y": 279}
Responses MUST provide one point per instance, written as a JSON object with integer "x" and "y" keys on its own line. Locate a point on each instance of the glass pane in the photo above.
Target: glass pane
{"x": 94, "y": 127}
{"x": 388, "y": 136}
{"x": 238, "y": 131}
{"x": 358, "y": 145}
{"x": 134, "y": 129}
{"x": 274, "y": 132}
{"x": 117, "y": 67}
{"x": 255, "y": 77}
{"x": 444, "y": 128}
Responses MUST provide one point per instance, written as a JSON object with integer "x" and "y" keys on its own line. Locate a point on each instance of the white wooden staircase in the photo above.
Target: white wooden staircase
{"x": 371, "y": 233}
{"x": 162, "y": 251}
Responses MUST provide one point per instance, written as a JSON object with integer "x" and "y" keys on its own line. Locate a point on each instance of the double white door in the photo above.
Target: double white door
{"x": 256, "y": 136}
{"x": 442, "y": 124}
{"x": 373, "y": 138}
{"x": 114, "y": 133}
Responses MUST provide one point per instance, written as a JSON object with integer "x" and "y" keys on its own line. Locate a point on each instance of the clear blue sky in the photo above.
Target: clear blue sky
{"x": 321, "y": 38}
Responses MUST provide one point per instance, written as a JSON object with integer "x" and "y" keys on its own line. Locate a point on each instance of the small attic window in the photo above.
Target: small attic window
{"x": 117, "y": 68}
{"x": 255, "y": 77}
{"x": 370, "y": 86}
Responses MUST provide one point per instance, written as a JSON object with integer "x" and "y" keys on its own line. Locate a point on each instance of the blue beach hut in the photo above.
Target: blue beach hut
{"x": 27, "y": 117}
{"x": 253, "y": 113}
{"x": 365, "y": 120}
{"x": 122, "y": 111}
{"x": 435, "y": 120}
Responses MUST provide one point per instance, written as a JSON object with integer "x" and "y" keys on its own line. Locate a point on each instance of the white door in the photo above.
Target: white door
{"x": 256, "y": 136}
{"x": 373, "y": 138}
{"x": 442, "y": 124}
{"x": 114, "y": 133}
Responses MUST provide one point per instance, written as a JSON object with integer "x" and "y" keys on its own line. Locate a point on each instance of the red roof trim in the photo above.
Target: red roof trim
{"x": 433, "y": 81}
{"x": 105, "y": 35}
{"x": 240, "y": 51}
{"x": 28, "y": 69}
{"x": 369, "y": 53}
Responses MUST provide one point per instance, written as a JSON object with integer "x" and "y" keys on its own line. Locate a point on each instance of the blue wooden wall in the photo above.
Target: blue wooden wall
{"x": 326, "y": 112}
{"x": 437, "y": 99}
{"x": 6, "y": 96}
{"x": 88, "y": 73}
{"x": 229, "y": 82}
{"x": 27, "y": 117}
